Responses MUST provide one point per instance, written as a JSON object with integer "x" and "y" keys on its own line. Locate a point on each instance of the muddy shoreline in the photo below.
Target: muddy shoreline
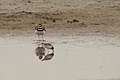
{"x": 85, "y": 35}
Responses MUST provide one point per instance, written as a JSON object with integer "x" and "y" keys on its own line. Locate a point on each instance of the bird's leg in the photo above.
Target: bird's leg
{"x": 42, "y": 37}
{"x": 38, "y": 37}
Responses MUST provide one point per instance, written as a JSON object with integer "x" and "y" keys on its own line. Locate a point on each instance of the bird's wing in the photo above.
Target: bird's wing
{"x": 44, "y": 28}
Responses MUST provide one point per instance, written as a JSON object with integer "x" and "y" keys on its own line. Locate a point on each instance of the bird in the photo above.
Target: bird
{"x": 48, "y": 56}
{"x": 48, "y": 46}
{"x": 40, "y": 30}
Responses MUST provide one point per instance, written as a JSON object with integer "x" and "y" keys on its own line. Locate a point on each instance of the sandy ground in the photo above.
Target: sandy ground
{"x": 85, "y": 34}
{"x": 80, "y": 16}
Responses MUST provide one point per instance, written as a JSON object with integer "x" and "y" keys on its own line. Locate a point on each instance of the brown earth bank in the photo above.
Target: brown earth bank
{"x": 94, "y": 16}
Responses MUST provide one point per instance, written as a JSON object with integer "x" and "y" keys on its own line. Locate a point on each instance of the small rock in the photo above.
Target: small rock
{"x": 54, "y": 20}
{"x": 74, "y": 20}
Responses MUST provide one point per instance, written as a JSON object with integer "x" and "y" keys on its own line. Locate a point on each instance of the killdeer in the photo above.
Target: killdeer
{"x": 40, "y": 30}
{"x": 48, "y": 56}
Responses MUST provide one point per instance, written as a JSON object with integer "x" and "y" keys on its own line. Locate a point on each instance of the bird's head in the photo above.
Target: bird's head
{"x": 40, "y": 25}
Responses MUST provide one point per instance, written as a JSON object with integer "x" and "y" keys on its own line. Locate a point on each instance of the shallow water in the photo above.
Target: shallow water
{"x": 76, "y": 58}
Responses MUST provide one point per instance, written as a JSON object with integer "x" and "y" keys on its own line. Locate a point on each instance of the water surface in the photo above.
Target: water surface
{"x": 76, "y": 58}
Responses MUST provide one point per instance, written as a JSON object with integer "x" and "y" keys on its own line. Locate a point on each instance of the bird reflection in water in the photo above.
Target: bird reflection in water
{"x": 48, "y": 46}
{"x": 40, "y": 51}
{"x": 45, "y": 51}
{"x": 48, "y": 56}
